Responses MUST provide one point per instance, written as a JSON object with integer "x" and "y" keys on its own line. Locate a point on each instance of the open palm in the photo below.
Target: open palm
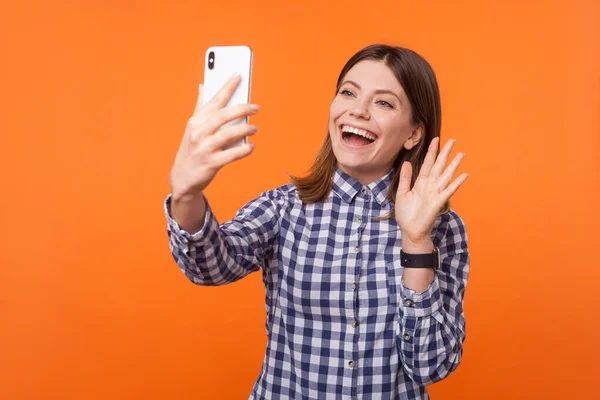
{"x": 416, "y": 209}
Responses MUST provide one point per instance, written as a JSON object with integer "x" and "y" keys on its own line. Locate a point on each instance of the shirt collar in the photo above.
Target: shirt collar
{"x": 347, "y": 187}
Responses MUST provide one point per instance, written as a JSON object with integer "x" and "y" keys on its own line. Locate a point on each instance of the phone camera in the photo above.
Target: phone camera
{"x": 211, "y": 60}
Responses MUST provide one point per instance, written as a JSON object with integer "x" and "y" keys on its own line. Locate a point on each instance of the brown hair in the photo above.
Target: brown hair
{"x": 420, "y": 85}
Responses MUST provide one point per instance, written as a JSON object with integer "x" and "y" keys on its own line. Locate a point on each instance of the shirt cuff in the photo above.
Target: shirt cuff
{"x": 422, "y": 304}
{"x": 175, "y": 228}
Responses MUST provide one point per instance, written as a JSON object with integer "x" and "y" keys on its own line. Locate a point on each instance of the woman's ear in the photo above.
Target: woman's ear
{"x": 414, "y": 137}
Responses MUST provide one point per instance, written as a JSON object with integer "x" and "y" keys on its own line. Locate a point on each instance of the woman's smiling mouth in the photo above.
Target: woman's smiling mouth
{"x": 356, "y": 137}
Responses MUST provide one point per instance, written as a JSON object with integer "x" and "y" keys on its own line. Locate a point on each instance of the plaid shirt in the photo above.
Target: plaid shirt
{"x": 340, "y": 323}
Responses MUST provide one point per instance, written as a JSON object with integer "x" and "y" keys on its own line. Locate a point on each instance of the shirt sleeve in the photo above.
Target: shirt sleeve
{"x": 220, "y": 254}
{"x": 433, "y": 323}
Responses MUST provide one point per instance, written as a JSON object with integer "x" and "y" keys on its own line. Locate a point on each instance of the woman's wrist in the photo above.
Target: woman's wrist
{"x": 417, "y": 279}
{"x": 417, "y": 246}
{"x": 188, "y": 211}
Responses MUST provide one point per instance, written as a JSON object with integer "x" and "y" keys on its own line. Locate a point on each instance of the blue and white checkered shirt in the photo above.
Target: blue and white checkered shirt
{"x": 340, "y": 323}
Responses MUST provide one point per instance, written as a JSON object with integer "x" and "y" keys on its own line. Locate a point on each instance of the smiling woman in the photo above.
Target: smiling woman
{"x": 384, "y": 91}
{"x": 377, "y": 111}
{"x": 358, "y": 305}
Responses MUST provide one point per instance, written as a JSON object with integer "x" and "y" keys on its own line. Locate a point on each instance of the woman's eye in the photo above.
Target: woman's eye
{"x": 385, "y": 103}
{"x": 346, "y": 92}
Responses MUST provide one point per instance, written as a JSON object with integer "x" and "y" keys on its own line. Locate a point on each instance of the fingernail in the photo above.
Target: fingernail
{"x": 254, "y": 107}
{"x": 235, "y": 76}
{"x": 253, "y": 129}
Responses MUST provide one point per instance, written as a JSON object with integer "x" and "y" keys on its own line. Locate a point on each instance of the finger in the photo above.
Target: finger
{"x": 442, "y": 158}
{"x": 430, "y": 157}
{"x": 228, "y": 114}
{"x": 200, "y": 99}
{"x": 450, "y": 171}
{"x": 450, "y": 190}
{"x": 225, "y": 157}
{"x": 231, "y": 134}
{"x": 224, "y": 94}
{"x": 405, "y": 178}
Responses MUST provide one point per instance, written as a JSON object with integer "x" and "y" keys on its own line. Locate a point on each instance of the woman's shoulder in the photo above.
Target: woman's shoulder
{"x": 281, "y": 196}
{"x": 287, "y": 190}
{"x": 452, "y": 219}
{"x": 450, "y": 225}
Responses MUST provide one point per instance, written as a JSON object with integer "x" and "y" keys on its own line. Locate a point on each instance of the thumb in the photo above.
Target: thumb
{"x": 200, "y": 99}
{"x": 405, "y": 178}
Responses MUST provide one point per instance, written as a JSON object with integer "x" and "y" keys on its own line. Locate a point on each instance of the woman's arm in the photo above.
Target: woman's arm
{"x": 221, "y": 254}
{"x": 433, "y": 322}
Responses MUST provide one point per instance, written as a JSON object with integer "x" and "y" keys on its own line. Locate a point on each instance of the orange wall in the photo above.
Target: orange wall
{"x": 95, "y": 96}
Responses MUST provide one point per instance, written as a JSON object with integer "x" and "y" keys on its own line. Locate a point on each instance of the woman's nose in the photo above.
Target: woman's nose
{"x": 360, "y": 110}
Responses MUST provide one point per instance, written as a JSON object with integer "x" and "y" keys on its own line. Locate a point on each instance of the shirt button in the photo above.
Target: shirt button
{"x": 359, "y": 220}
{"x": 406, "y": 336}
{"x": 364, "y": 191}
{"x": 356, "y": 248}
{"x": 409, "y": 303}
{"x": 351, "y": 364}
{"x": 354, "y": 324}
{"x": 354, "y": 285}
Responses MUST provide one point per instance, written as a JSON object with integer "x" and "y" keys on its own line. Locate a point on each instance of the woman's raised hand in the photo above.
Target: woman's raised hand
{"x": 203, "y": 150}
{"x": 417, "y": 208}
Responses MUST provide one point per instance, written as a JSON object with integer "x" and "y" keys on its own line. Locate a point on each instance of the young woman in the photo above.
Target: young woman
{"x": 364, "y": 263}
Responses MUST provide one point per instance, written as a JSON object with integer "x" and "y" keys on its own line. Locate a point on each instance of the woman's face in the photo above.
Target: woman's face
{"x": 370, "y": 121}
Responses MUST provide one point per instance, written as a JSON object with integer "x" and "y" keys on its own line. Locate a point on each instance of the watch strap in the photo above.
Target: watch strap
{"x": 427, "y": 260}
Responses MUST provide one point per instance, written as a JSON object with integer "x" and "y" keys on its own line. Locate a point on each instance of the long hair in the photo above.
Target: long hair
{"x": 420, "y": 85}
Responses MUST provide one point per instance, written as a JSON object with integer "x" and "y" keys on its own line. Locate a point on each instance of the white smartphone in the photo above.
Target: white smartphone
{"x": 221, "y": 62}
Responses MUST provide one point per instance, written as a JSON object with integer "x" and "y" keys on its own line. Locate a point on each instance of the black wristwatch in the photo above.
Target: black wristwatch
{"x": 428, "y": 260}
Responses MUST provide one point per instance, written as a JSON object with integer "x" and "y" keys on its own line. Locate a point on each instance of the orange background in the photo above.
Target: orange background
{"x": 95, "y": 97}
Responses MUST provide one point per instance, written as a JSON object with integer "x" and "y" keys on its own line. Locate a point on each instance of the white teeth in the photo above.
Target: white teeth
{"x": 357, "y": 131}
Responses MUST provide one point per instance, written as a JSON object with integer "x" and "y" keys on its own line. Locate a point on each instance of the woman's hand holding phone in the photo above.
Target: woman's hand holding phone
{"x": 201, "y": 154}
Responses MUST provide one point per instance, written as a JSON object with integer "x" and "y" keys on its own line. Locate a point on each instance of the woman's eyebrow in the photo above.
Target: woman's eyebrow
{"x": 378, "y": 91}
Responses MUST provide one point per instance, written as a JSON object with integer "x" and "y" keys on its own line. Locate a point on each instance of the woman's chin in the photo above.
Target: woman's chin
{"x": 353, "y": 166}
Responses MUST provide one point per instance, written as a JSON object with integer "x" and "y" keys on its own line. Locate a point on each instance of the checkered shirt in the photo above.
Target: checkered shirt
{"x": 340, "y": 323}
